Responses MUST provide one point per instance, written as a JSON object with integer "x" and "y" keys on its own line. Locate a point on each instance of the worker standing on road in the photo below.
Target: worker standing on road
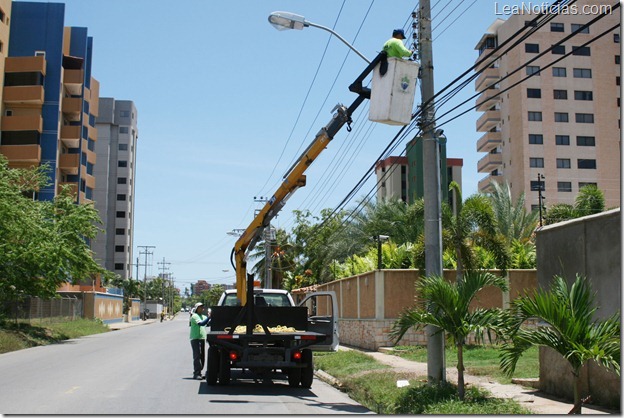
{"x": 394, "y": 46}
{"x": 198, "y": 324}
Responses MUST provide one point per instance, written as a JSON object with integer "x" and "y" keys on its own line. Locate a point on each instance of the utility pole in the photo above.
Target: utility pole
{"x": 163, "y": 268}
{"x": 540, "y": 197}
{"x": 436, "y": 372}
{"x": 146, "y": 252}
{"x": 268, "y": 280}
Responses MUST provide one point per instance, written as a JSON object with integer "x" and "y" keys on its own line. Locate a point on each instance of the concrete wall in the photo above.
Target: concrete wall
{"x": 590, "y": 246}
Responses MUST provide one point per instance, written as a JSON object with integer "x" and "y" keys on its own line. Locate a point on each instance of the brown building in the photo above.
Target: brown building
{"x": 563, "y": 122}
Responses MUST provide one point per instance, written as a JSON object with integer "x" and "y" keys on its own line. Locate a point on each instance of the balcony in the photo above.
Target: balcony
{"x": 487, "y": 99}
{"x": 27, "y": 95}
{"x": 488, "y": 120}
{"x": 34, "y": 64}
{"x": 489, "y": 162}
{"x": 487, "y": 78}
{"x": 70, "y": 135}
{"x": 489, "y": 141}
{"x": 21, "y": 155}
{"x": 22, "y": 123}
{"x": 73, "y": 81}
{"x": 90, "y": 181}
{"x": 69, "y": 163}
{"x": 485, "y": 184}
{"x": 91, "y": 157}
{"x": 72, "y": 108}
{"x": 92, "y": 131}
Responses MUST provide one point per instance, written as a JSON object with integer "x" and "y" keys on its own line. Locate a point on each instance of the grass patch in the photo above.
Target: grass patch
{"x": 19, "y": 336}
{"x": 378, "y": 392}
{"x": 479, "y": 360}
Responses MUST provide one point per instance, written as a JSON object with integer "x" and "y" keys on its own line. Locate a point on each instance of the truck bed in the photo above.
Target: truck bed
{"x": 271, "y": 316}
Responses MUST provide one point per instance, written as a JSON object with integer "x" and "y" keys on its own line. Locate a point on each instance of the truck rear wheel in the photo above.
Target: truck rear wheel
{"x": 224, "y": 368}
{"x": 294, "y": 377}
{"x": 213, "y": 366}
{"x": 307, "y": 373}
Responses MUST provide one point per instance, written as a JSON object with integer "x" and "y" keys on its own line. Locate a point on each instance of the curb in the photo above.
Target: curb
{"x": 327, "y": 378}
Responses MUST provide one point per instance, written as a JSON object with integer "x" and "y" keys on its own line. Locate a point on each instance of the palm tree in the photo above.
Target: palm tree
{"x": 446, "y": 305}
{"x": 571, "y": 330}
{"x": 512, "y": 221}
{"x": 589, "y": 201}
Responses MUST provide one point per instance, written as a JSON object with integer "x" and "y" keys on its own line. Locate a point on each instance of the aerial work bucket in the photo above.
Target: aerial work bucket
{"x": 392, "y": 95}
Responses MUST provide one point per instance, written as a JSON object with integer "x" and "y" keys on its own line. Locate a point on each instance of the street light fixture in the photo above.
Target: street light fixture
{"x": 287, "y": 20}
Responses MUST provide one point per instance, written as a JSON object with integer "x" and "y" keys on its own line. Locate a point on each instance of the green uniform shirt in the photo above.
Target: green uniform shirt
{"x": 198, "y": 332}
{"x": 394, "y": 48}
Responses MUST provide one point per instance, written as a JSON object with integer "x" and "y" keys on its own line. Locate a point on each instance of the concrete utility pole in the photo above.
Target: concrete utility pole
{"x": 146, "y": 252}
{"x": 163, "y": 268}
{"x": 268, "y": 279}
{"x": 436, "y": 371}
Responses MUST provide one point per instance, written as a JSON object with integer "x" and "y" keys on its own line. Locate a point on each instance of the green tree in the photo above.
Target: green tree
{"x": 571, "y": 329}
{"x": 43, "y": 244}
{"x": 513, "y": 222}
{"x": 446, "y": 306}
{"x": 589, "y": 201}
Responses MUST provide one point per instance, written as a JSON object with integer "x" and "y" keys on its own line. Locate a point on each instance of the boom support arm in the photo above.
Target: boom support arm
{"x": 293, "y": 180}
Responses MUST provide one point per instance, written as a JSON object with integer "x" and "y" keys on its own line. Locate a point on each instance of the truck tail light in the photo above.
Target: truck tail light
{"x": 296, "y": 355}
{"x": 233, "y": 355}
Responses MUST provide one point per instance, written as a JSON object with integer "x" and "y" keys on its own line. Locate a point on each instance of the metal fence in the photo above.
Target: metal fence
{"x": 36, "y": 309}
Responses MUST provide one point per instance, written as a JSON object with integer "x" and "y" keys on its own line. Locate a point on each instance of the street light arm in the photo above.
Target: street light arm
{"x": 306, "y": 23}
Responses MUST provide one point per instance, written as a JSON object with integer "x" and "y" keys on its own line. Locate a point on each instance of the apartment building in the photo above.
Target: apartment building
{"x": 5, "y": 25}
{"x": 115, "y": 179}
{"x": 563, "y": 121}
{"x": 50, "y": 99}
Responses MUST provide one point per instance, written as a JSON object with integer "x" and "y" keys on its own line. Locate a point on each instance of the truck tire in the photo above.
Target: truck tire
{"x": 294, "y": 377}
{"x": 213, "y": 366}
{"x": 224, "y": 368}
{"x": 307, "y": 373}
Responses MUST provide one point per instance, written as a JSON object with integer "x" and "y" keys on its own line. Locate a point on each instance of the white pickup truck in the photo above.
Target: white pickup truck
{"x": 283, "y": 335}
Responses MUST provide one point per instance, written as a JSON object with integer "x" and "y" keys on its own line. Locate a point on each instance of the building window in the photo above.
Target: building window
{"x": 120, "y": 214}
{"x": 556, "y": 27}
{"x": 536, "y": 162}
{"x": 561, "y": 117}
{"x": 559, "y": 72}
{"x": 560, "y": 94}
{"x": 583, "y": 95}
{"x": 535, "y": 116}
{"x": 532, "y": 70}
{"x": 586, "y": 141}
{"x": 120, "y": 231}
{"x": 531, "y": 48}
{"x": 586, "y": 164}
{"x": 119, "y": 248}
{"x": 617, "y": 80}
{"x": 563, "y": 163}
{"x": 536, "y": 185}
{"x": 536, "y": 139}
{"x": 119, "y": 266}
{"x": 123, "y": 129}
{"x": 584, "y": 118}
{"x": 121, "y": 197}
{"x": 534, "y": 93}
{"x": 562, "y": 139}
{"x": 564, "y": 186}
{"x": 123, "y": 147}
{"x": 617, "y": 59}
{"x": 581, "y": 50}
{"x": 578, "y": 26}
{"x": 582, "y": 73}
{"x": 616, "y": 38}
{"x": 558, "y": 50}
{"x": 122, "y": 180}
{"x": 124, "y": 113}
{"x": 583, "y": 184}
{"x": 122, "y": 163}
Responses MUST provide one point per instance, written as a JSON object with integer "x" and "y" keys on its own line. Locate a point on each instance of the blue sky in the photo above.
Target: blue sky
{"x": 221, "y": 95}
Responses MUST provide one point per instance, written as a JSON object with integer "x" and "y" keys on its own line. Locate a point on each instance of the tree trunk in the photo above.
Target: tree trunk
{"x": 460, "y": 371}
{"x": 576, "y": 410}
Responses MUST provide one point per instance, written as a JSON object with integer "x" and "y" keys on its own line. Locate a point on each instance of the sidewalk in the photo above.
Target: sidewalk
{"x": 532, "y": 399}
{"x": 116, "y": 326}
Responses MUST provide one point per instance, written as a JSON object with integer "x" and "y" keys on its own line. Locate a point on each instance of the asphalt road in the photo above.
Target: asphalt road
{"x": 145, "y": 370}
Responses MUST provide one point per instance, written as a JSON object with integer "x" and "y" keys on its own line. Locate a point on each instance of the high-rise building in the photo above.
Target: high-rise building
{"x": 50, "y": 99}
{"x": 563, "y": 122}
{"x": 115, "y": 179}
{"x": 5, "y": 25}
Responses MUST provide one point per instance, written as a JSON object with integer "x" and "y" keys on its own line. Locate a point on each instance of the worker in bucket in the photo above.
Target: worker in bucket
{"x": 394, "y": 46}
{"x": 198, "y": 322}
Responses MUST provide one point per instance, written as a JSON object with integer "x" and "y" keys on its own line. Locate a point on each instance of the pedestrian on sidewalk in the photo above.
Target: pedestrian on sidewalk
{"x": 198, "y": 324}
